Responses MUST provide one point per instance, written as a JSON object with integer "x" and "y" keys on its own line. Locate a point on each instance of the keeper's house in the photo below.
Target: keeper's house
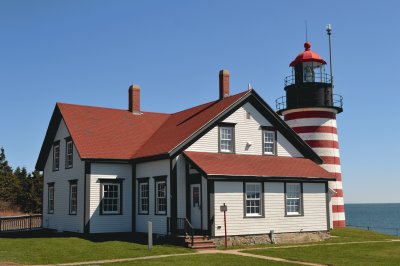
{"x": 113, "y": 170}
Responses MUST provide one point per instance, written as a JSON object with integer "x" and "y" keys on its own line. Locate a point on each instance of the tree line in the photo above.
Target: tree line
{"x": 19, "y": 190}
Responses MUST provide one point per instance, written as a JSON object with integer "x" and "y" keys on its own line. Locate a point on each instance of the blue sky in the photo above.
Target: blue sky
{"x": 89, "y": 52}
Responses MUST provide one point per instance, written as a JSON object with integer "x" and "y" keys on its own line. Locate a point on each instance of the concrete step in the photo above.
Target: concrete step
{"x": 208, "y": 246}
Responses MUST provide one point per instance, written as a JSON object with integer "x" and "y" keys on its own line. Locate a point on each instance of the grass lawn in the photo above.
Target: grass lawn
{"x": 339, "y": 235}
{"x": 348, "y": 254}
{"x": 62, "y": 249}
{"x": 344, "y": 254}
{"x": 203, "y": 259}
{"x": 39, "y": 248}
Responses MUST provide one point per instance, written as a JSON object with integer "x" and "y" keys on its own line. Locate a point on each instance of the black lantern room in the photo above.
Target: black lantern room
{"x": 309, "y": 85}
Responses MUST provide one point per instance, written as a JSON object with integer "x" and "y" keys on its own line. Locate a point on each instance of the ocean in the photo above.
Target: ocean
{"x": 379, "y": 217}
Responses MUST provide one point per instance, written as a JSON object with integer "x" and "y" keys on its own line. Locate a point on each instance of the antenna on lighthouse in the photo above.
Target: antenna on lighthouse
{"x": 306, "y": 30}
{"x": 329, "y": 32}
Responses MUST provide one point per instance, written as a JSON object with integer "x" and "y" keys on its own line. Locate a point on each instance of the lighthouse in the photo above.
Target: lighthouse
{"x": 310, "y": 109}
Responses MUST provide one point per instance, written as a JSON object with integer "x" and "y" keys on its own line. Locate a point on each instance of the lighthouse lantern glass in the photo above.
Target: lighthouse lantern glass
{"x": 313, "y": 72}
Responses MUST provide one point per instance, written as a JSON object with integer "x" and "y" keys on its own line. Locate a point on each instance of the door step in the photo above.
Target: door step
{"x": 200, "y": 242}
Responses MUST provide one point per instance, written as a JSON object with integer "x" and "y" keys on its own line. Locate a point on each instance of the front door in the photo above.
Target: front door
{"x": 195, "y": 206}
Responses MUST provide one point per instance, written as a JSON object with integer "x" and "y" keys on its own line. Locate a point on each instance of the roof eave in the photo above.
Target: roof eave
{"x": 182, "y": 145}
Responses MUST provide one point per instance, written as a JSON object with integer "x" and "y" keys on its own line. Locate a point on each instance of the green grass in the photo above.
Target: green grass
{"x": 50, "y": 250}
{"x": 354, "y": 234}
{"x": 387, "y": 253}
{"x": 345, "y": 254}
{"x": 339, "y": 235}
{"x": 203, "y": 259}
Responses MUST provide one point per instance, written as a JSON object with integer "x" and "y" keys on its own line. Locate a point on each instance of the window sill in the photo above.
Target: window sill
{"x": 294, "y": 215}
{"x": 161, "y": 214}
{"x": 107, "y": 214}
{"x": 254, "y": 216}
{"x": 143, "y": 213}
{"x": 269, "y": 154}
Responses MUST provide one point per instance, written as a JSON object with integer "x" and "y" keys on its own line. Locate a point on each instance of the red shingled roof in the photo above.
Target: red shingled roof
{"x": 118, "y": 134}
{"x": 255, "y": 165}
{"x": 108, "y": 133}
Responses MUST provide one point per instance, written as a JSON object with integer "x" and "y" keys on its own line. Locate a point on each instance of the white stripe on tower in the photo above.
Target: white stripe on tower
{"x": 317, "y": 127}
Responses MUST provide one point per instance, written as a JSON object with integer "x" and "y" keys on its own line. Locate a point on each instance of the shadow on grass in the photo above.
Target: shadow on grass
{"x": 139, "y": 238}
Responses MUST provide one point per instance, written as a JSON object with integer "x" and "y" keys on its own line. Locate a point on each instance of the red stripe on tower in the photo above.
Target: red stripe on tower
{"x": 315, "y": 129}
{"x": 323, "y": 144}
{"x": 330, "y": 159}
{"x": 310, "y": 114}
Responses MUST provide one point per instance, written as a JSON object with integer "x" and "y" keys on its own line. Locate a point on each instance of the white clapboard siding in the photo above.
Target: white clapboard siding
{"x": 207, "y": 143}
{"x": 153, "y": 169}
{"x": 285, "y": 148}
{"x": 231, "y": 193}
{"x": 110, "y": 223}
{"x": 314, "y": 200}
{"x": 61, "y": 220}
{"x": 248, "y": 135}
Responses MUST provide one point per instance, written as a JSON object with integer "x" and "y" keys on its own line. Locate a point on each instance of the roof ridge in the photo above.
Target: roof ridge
{"x": 210, "y": 102}
{"x": 107, "y": 108}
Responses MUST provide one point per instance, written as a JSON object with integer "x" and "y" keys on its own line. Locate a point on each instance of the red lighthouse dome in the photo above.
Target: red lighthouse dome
{"x": 308, "y": 56}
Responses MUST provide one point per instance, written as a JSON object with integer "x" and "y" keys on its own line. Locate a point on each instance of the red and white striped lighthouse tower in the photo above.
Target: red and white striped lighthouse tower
{"x": 310, "y": 109}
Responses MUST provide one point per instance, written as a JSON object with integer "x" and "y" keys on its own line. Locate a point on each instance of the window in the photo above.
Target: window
{"x": 161, "y": 195}
{"x": 269, "y": 140}
{"x": 111, "y": 197}
{"x": 69, "y": 153}
{"x": 73, "y": 197}
{"x": 56, "y": 156}
{"x": 293, "y": 193}
{"x": 226, "y": 138}
{"x": 144, "y": 196}
{"x": 253, "y": 199}
{"x": 50, "y": 198}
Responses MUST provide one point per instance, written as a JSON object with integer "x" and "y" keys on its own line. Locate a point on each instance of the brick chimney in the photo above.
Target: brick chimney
{"x": 223, "y": 84}
{"x": 134, "y": 99}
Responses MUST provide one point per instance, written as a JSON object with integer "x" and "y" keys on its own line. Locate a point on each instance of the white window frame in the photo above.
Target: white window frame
{"x": 143, "y": 198}
{"x": 265, "y": 141}
{"x": 56, "y": 156}
{"x": 73, "y": 198}
{"x": 290, "y": 197}
{"x": 69, "y": 151}
{"x": 50, "y": 199}
{"x": 118, "y": 198}
{"x": 248, "y": 200}
{"x": 223, "y": 138}
{"x": 159, "y": 198}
